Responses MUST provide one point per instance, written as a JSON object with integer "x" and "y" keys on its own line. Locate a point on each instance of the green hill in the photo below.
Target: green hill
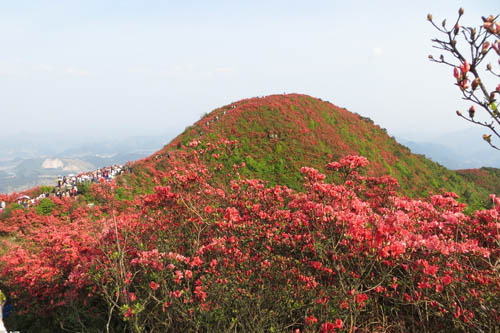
{"x": 279, "y": 134}
{"x": 488, "y": 178}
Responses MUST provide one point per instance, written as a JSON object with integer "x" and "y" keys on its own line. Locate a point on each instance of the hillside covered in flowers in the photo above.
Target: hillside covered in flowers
{"x": 276, "y": 214}
{"x": 488, "y": 178}
{"x": 279, "y": 134}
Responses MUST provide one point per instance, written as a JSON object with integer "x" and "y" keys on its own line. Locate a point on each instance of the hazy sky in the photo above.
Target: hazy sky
{"x": 139, "y": 66}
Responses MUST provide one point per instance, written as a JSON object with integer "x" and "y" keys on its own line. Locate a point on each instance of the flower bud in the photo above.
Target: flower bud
{"x": 473, "y": 33}
{"x": 453, "y": 42}
{"x": 461, "y": 11}
{"x": 488, "y": 67}
{"x": 475, "y": 83}
{"x": 487, "y": 138}
{"x": 430, "y": 56}
{"x": 486, "y": 45}
{"x": 498, "y": 88}
{"x": 472, "y": 111}
{"x": 459, "y": 113}
{"x": 465, "y": 67}
{"x": 457, "y": 28}
{"x": 463, "y": 84}
{"x": 429, "y": 17}
{"x": 444, "y": 23}
{"x": 456, "y": 73}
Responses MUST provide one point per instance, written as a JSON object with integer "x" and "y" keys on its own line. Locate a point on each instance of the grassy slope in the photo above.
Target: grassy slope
{"x": 279, "y": 134}
{"x": 488, "y": 178}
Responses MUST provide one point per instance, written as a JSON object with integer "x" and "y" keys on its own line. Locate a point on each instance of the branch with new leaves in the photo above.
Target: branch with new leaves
{"x": 469, "y": 48}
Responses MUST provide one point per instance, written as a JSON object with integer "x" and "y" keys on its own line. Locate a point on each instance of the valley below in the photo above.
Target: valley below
{"x": 27, "y": 163}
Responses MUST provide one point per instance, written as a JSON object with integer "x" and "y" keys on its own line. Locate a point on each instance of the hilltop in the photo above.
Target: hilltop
{"x": 279, "y": 134}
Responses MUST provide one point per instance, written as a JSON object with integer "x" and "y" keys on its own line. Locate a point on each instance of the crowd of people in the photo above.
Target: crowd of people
{"x": 67, "y": 186}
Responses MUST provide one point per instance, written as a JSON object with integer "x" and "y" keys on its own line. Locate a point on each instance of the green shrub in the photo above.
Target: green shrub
{"x": 16, "y": 206}
{"x": 45, "y": 207}
{"x": 6, "y": 214}
{"x": 122, "y": 195}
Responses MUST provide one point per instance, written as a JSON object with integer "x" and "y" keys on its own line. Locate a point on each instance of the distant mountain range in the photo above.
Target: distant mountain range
{"x": 27, "y": 161}
{"x": 463, "y": 149}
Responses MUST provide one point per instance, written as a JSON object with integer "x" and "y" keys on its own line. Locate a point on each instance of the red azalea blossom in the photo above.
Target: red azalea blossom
{"x": 129, "y": 313}
{"x": 331, "y": 327}
{"x": 311, "y": 320}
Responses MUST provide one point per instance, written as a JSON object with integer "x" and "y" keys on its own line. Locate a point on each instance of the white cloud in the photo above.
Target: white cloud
{"x": 378, "y": 51}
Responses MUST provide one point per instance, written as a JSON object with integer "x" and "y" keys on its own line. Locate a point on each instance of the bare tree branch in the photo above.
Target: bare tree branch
{"x": 478, "y": 43}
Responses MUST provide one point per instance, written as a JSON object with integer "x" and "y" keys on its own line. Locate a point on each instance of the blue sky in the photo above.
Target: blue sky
{"x": 157, "y": 66}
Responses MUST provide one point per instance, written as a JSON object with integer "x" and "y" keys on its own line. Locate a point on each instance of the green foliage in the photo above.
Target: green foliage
{"x": 15, "y": 206}
{"x": 488, "y": 178}
{"x": 140, "y": 180}
{"x": 403, "y": 170}
{"x": 84, "y": 191}
{"x": 45, "y": 207}
{"x": 121, "y": 194}
{"x": 312, "y": 124}
{"x": 6, "y": 214}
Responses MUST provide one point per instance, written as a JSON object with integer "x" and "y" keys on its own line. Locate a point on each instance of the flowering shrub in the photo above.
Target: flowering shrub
{"x": 211, "y": 250}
